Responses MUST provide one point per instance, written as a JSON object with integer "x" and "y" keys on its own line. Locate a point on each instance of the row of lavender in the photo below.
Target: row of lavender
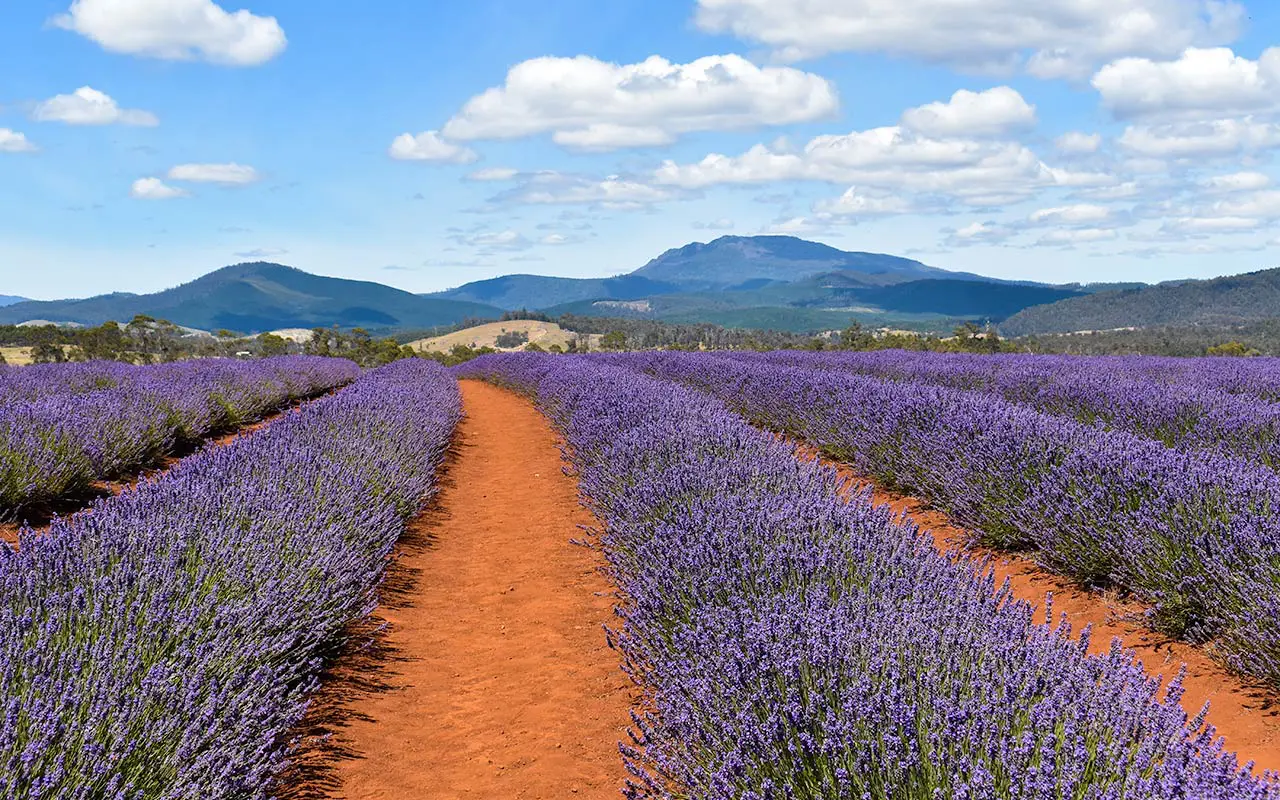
{"x": 1196, "y": 535}
{"x": 794, "y": 645}
{"x": 1137, "y": 394}
{"x": 63, "y": 426}
{"x": 164, "y": 644}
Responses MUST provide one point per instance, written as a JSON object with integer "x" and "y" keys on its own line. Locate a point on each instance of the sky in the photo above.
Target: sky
{"x": 144, "y": 143}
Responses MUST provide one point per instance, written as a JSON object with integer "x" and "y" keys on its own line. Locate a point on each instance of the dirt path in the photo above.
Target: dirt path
{"x": 1248, "y": 718}
{"x": 501, "y": 684}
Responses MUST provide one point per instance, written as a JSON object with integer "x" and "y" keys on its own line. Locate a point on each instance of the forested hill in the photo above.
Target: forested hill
{"x": 1220, "y": 301}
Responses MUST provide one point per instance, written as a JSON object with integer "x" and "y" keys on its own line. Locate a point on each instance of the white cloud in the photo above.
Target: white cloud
{"x": 1049, "y": 38}
{"x": 1224, "y": 137}
{"x": 1200, "y": 83}
{"x": 1258, "y": 205}
{"x": 603, "y": 137}
{"x": 494, "y": 240}
{"x": 594, "y": 105}
{"x": 1236, "y": 182}
{"x": 977, "y": 233}
{"x": 1207, "y": 225}
{"x": 155, "y": 189}
{"x": 558, "y": 239}
{"x": 1120, "y": 191}
{"x": 989, "y": 113}
{"x": 176, "y": 30}
{"x": 13, "y": 142}
{"x": 429, "y": 146}
{"x": 797, "y": 226}
{"x": 722, "y": 224}
{"x": 980, "y": 173}
{"x": 1069, "y": 237}
{"x": 493, "y": 174}
{"x": 1081, "y": 214}
{"x": 225, "y": 174}
{"x": 613, "y": 192}
{"x": 856, "y": 204}
{"x": 267, "y": 252}
{"x": 1077, "y": 142}
{"x": 88, "y": 106}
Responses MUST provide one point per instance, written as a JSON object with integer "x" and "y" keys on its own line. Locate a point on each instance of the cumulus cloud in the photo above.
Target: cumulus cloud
{"x": 722, "y": 224}
{"x": 1236, "y": 182}
{"x": 613, "y": 192}
{"x": 13, "y": 142}
{"x": 1198, "y": 84}
{"x": 1210, "y": 225}
{"x": 853, "y": 203}
{"x": 1076, "y": 142}
{"x": 493, "y": 174}
{"x": 603, "y": 137}
{"x": 225, "y": 174}
{"x": 88, "y": 106}
{"x": 1080, "y": 214}
{"x": 430, "y": 146}
{"x": 558, "y": 239}
{"x": 588, "y": 104}
{"x": 494, "y": 240}
{"x": 1070, "y": 237}
{"x": 179, "y": 30}
{"x": 797, "y": 226}
{"x": 1048, "y": 38}
{"x": 976, "y": 233}
{"x": 155, "y": 189}
{"x": 1223, "y": 137}
{"x": 989, "y": 113}
{"x": 980, "y": 173}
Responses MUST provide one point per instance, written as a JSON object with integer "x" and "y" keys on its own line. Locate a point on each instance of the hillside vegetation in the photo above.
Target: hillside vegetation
{"x": 1222, "y": 301}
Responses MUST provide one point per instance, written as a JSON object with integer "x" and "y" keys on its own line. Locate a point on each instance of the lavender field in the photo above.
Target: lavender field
{"x": 164, "y": 644}
{"x": 793, "y": 644}
{"x": 63, "y": 426}
{"x": 782, "y": 635}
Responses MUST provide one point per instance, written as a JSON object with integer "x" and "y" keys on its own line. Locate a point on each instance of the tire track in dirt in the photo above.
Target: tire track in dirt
{"x": 1247, "y": 716}
{"x": 495, "y": 679}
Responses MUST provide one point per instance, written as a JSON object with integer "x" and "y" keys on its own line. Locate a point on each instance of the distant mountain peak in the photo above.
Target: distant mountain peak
{"x": 257, "y": 296}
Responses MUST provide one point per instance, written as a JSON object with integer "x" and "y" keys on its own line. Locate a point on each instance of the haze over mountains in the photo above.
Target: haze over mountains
{"x": 762, "y": 281}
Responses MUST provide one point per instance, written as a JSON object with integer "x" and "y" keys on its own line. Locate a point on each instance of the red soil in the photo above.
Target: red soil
{"x": 499, "y": 681}
{"x": 1246, "y": 716}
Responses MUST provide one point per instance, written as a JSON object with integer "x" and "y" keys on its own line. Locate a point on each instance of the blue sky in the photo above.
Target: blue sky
{"x": 146, "y": 142}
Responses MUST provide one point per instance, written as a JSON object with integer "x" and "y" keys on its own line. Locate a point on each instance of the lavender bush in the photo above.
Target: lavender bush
{"x": 63, "y": 426}
{"x": 164, "y": 644}
{"x": 1171, "y": 403}
{"x": 1195, "y": 535}
{"x": 794, "y": 645}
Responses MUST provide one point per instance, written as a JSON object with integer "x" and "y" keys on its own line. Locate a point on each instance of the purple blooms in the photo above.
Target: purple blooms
{"x": 794, "y": 645}
{"x": 163, "y": 644}
{"x": 63, "y": 426}
{"x": 1195, "y": 534}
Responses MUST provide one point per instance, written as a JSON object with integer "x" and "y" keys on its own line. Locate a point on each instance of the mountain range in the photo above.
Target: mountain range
{"x": 10, "y": 299}
{"x": 256, "y": 297}
{"x": 776, "y": 282}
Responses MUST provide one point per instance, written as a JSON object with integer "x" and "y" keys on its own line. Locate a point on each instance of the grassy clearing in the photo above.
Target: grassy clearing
{"x": 543, "y": 334}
